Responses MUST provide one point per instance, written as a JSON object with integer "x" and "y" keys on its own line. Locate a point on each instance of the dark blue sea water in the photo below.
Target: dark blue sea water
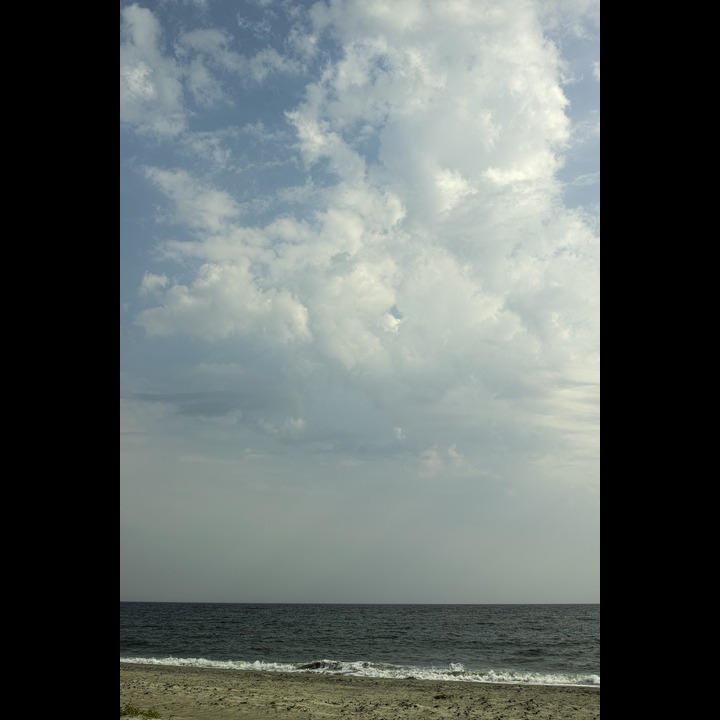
{"x": 526, "y": 644}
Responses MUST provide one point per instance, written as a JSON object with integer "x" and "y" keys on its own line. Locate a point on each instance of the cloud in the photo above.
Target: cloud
{"x": 152, "y": 283}
{"x": 212, "y": 49}
{"x": 223, "y": 301}
{"x": 195, "y": 204}
{"x": 161, "y": 85}
{"x": 150, "y": 82}
{"x": 454, "y": 222}
{"x": 589, "y": 179}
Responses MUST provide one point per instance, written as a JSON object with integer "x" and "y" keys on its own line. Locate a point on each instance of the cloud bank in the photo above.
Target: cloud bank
{"x": 377, "y": 272}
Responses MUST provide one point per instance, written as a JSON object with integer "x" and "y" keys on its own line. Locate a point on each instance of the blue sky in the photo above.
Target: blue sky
{"x": 359, "y": 279}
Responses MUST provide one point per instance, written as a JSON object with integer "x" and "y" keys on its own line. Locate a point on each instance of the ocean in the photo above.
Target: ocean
{"x": 524, "y": 644}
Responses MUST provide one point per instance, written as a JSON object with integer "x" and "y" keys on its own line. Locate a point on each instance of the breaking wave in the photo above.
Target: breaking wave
{"x": 453, "y": 672}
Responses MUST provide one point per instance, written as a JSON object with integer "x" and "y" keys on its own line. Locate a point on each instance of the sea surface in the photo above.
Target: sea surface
{"x": 523, "y": 644}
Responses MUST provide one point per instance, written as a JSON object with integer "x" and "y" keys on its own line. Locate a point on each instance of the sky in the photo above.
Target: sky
{"x": 359, "y": 301}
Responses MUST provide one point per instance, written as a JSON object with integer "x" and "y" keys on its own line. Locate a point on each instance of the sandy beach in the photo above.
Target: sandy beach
{"x": 180, "y": 693}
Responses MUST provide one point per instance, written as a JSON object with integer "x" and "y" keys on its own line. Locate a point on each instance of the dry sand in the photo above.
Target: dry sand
{"x": 181, "y": 693}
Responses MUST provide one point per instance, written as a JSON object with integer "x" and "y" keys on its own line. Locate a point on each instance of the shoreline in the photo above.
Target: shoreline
{"x": 188, "y": 693}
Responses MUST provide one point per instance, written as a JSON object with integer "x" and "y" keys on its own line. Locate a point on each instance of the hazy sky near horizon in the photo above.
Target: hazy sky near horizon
{"x": 359, "y": 313}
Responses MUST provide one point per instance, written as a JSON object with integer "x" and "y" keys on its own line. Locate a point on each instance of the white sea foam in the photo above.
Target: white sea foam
{"x": 454, "y": 672}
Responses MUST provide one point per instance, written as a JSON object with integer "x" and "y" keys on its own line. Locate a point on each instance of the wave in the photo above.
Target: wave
{"x": 454, "y": 672}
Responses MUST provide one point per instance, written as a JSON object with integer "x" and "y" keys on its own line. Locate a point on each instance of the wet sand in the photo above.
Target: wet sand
{"x": 181, "y": 693}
